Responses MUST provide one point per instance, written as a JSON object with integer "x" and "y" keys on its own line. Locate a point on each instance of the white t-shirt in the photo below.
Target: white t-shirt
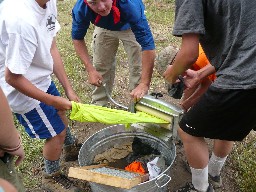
{"x": 26, "y": 36}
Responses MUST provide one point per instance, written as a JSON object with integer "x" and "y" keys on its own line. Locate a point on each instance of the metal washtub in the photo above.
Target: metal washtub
{"x": 117, "y": 134}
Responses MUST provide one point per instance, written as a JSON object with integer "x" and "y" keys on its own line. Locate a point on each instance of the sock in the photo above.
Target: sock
{"x": 69, "y": 139}
{"x": 200, "y": 178}
{"x": 51, "y": 166}
{"x": 216, "y": 164}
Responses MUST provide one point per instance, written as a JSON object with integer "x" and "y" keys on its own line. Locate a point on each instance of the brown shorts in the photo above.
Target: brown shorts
{"x": 222, "y": 114}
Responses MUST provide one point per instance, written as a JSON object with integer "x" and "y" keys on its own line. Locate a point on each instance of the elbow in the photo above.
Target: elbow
{"x": 189, "y": 57}
{"x": 192, "y": 59}
{"x": 10, "y": 78}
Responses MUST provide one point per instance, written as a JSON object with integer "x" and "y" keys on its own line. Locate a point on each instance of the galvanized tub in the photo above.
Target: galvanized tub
{"x": 117, "y": 134}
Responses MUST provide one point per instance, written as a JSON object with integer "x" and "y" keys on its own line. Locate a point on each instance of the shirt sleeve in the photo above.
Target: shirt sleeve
{"x": 189, "y": 17}
{"x": 132, "y": 11}
{"x": 22, "y": 45}
{"x": 81, "y": 20}
{"x": 57, "y": 24}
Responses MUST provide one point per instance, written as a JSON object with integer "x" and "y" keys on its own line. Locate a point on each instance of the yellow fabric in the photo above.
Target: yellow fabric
{"x": 94, "y": 113}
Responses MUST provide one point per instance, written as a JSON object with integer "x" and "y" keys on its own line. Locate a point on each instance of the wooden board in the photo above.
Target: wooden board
{"x": 86, "y": 173}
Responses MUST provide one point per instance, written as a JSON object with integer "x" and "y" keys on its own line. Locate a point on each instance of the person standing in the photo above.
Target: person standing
{"x": 226, "y": 111}
{"x": 117, "y": 20}
{"x": 28, "y": 57}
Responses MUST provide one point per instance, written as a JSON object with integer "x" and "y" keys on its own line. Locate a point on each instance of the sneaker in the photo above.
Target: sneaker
{"x": 57, "y": 182}
{"x": 215, "y": 181}
{"x": 189, "y": 187}
{"x": 70, "y": 152}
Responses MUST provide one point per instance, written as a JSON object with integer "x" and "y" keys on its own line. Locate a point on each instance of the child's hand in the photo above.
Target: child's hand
{"x": 191, "y": 78}
{"x": 61, "y": 103}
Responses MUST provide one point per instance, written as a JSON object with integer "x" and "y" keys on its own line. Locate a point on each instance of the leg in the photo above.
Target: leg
{"x": 219, "y": 114}
{"x": 133, "y": 50}
{"x": 222, "y": 148}
{"x": 218, "y": 158}
{"x": 71, "y": 146}
{"x": 105, "y": 46}
{"x": 196, "y": 151}
{"x": 53, "y": 146}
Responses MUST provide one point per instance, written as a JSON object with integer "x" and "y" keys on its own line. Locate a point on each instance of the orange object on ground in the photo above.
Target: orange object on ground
{"x": 201, "y": 62}
{"x": 135, "y": 167}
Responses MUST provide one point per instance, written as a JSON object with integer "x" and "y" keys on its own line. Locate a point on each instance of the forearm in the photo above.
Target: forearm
{"x": 148, "y": 57}
{"x": 23, "y": 85}
{"x": 205, "y": 71}
{"x": 82, "y": 52}
{"x": 184, "y": 59}
{"x": 58, "y": 68}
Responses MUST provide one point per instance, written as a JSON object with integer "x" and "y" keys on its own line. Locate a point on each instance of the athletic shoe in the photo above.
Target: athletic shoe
{"x": 57, "y": 182}
{"x": 189, "y": 187}
{"x": 215, "y": 181}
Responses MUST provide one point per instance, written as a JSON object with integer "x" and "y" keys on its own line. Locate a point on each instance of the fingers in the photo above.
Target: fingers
{"x": 99, "y": 82}
{"x": 139, "y": 92}
{"x": 19, "y": 160}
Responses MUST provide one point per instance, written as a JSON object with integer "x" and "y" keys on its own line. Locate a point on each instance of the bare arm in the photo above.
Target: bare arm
{"x": 59, "y": 71}
{"x": 206, "y": 71}
{"x": 95, "y": 77}
{"x": 193, "y": 78}
{"x": 24, "y": 86}
{"x": 187, "y": 55}
{"x": 148, "y": 57}
{"x": 7, "y": 186}
{"x": 9, "y": 137}
{"x": 197, "y": 81}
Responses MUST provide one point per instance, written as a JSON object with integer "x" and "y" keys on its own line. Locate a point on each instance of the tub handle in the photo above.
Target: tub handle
{"x": 163, "y": 175}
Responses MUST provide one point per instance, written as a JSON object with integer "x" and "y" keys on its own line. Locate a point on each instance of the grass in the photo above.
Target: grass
{"x": 244, "y": 156}
{"x": 160, "y": 14}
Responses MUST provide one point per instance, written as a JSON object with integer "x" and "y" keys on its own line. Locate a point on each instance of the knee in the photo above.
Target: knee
{"x": 185, "y": 137}
{"x": 182, "y": 134}
{"x": 60, "y": 138}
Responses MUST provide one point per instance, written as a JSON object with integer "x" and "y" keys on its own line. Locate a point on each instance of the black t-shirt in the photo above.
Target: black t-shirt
{"x": 227, "y": 31}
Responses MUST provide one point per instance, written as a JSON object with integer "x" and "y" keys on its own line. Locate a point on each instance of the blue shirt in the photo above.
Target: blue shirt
{"x": 131, "y": 17}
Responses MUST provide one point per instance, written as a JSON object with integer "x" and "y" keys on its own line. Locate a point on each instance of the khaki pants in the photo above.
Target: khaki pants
{"x": 105, "y": 45}
{"x": 8, "y": 172}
